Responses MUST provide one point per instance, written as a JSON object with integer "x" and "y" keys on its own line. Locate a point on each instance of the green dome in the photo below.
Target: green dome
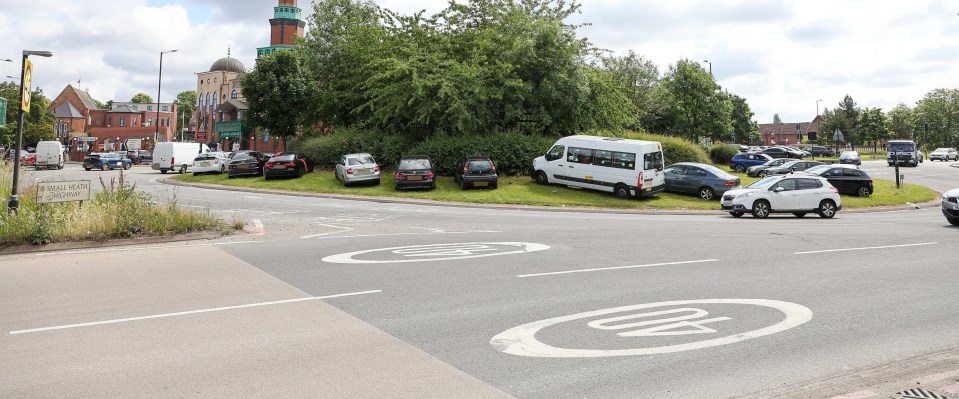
{"x": 228, "y": 65}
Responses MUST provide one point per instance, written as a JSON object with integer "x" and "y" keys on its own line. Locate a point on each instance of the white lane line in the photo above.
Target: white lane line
{"x": 137, "y": 248}
{"x": 158, "y": 316}
{"x": 865, "y": 248}
{"x": 403, "y": 234}
{"x": 233, "y": 242}
{"x": 600, "y": 269}
{"x": 342, "y": 229}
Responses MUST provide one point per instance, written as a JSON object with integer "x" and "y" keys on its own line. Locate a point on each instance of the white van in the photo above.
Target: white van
{"x": 169, "y": 156}
{"x": 49, "y": 155}
{"x": 628, "y": 168}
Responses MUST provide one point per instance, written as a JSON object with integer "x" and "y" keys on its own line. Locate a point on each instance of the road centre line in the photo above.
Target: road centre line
{"x": 189, "y": 312}
{"x": 138, "y": 248}
{"x": 865, "y": 248}
{"x": 600, "y": 269}
{"x": 322, "y": 236}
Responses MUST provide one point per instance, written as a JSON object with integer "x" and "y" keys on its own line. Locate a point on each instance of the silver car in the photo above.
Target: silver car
{"x": 950, "y": 206}
{"x": 357, "y": 168}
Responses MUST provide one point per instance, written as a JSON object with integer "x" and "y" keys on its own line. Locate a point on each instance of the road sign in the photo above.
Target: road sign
{"x": 133, "y": 144}
{"x": 837, "y": 136}
{"x": 63, "y": 191}
{"x": 27, "y": 83}
{"x": 85, "y": 139}
{"x": 3, "y": 111}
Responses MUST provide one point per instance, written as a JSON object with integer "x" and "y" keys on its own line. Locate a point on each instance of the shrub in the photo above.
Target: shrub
{"x": 722, "y": 153}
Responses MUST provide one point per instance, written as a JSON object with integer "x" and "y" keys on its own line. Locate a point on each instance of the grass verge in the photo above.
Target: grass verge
{"x": 519, "y": 190}
{"x": 116, "y": 211}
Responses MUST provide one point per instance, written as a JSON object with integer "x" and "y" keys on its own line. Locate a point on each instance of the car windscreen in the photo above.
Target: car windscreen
{"x": 941, "y": 150}
{"x": 818, "y": 169}
{"x": 283, "y": 158}
{"x": 414, "y": 164}
{"x": 763, "y": 183}
{"x": 849, "y": 154}
{"x": 363, "y": 160}
{"x": 479, "y": 166}
{"x": 203, "y": 157}
{"x": 242, "y": 157}
{"x": 902, "y": 147}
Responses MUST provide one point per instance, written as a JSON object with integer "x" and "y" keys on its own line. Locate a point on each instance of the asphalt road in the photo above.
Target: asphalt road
{"x": 475, "y": 302}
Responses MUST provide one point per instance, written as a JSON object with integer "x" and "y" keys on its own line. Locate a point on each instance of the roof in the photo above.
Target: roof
{"x": 85, "y": 98}
{"x": 67, "y": 110}
{"x": 228, "y": 64}
{"x": 124, "y": 109}
{"x": 232, "y": 104}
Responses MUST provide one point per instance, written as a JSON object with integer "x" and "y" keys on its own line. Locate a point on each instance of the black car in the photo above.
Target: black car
{"x": 847, "y": 179}
{"x": 285, "y": 164}
{"x": 415, "y": 171}
{"x": 819, "y": 151}
{"x": 780, "y": 152}
{"x": 247, "y": 163}
{"x": 476, "y": 171}
{"x": 789, "y": 167}
{"x": 140, "y": 156}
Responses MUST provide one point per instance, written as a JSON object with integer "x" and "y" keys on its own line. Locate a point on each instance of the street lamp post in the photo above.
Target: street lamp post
{"x": 14, "y": 201}
{"x": 710, "y": 66}
{"x": 817, "y": 107}
{"x": 156, "y": 132}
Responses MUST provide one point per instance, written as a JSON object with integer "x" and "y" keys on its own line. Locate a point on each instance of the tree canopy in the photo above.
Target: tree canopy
{"x": 277, "y": 91}
{"x": 142, "y": 98}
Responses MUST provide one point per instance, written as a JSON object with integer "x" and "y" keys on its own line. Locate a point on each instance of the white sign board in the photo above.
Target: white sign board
{"x": 133, "y": 144}
{"x": 63, "y": 191}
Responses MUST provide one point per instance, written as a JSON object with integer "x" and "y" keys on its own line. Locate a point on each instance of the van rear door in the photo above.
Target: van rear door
{"x": 652, "y": 167}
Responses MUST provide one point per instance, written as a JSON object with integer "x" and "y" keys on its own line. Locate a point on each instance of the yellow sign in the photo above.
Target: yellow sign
{"x": 27, "y": 82}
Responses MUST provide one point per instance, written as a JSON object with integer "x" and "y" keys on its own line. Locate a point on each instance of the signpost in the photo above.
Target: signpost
{"x": 63, "y": 191}
{"x": 133, "y": 144}
{"x": 836, "y": 138}
{"x": 27, "y": 82}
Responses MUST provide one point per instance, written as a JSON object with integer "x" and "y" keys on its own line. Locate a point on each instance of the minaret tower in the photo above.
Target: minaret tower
{"x": 285, "y": 25}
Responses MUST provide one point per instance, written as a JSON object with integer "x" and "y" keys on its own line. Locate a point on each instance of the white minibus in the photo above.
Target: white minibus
{"x": 626, "y": 167}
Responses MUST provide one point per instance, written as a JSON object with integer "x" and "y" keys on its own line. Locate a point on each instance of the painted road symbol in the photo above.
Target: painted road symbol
{"x": 651, "y": 321}
{"x": 436, "y": 252}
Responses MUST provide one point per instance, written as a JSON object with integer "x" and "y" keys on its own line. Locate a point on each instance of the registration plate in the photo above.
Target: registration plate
{"x": 243, "y": 166}
{"x": 414, "y": 177}
{"x": 361, "y": 171}
{"x": 279, "y": 167}
{"x": 481, "y": 184}
{"x": 205, "y": 163}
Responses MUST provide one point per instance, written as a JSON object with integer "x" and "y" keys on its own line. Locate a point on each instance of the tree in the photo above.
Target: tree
{"x": 845, "y": 118}
{"x": 873, "y": 126}
{"x": 902, "y": 121}
{"x": 37, "y": 123}
{"x": 142, "y": 98}
{"x": 185, "y": 104}
{"x": 939, "y": 110}
{"x": 776, "y": 119}
{"x": 277, "y": 91}
{"x": 695, "y": 106}
{"x": 745, "y": 130}
{"x": 637, "y": 78}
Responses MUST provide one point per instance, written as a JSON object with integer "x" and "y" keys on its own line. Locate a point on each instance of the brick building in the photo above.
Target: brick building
{"x": 785, "y": 133}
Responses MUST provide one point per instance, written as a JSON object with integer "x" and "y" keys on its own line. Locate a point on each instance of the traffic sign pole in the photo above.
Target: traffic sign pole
{"x": 14, "y": 203}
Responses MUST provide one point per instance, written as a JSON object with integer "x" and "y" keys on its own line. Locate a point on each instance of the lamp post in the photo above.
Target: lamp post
{"x": 156, "y": 132}
{"x": 710, "y": 66}
{"x": 817, "y": 107}
{"x": 14, "y": 202}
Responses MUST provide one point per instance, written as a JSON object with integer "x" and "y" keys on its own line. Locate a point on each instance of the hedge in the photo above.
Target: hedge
{"x": 722, "y": 153}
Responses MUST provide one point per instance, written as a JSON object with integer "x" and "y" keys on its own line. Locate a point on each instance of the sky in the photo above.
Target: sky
{"x": 782, "y": 56}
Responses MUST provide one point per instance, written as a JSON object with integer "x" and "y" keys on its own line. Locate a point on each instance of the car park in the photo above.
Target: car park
{"x": 706, "y": 181}
{"x": 211, "y": 162}
{"x": 789, "y": 167}
{"x": 357, "y": 168}
{"x": 850, "y": 157}
{"x": 782, "y": 152}
{"x": 847, "y": 179}
{"x": 944, "y": 154}
{"x": 950, "y": 206}
{"x": 285, "y": 164}
{"x": 476, "y": 171}
{"x": 246, "y": 163}
{"x": 798, "y": 194}
{"x": 742, "y": 162}
{"x": 820, "y": 151}
{"x": 757, "y": 171}
{"x": 415, "y": 171}
{"x": 625, "y": 167}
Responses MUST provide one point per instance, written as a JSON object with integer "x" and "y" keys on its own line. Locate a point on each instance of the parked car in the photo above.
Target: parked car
{"x": 246, "y": 163}
{"x": 950, "y": 206}
{"x": 28, "y": 159}
{"x": 476, "y": 171}
{"x": 782, "y": 152}
{"x": 820, "y": 151}
{"x": 357, "y": 168}
{"x": 798, "y": 194}
{"x": 850, "y": 157}
{"x": 285, "y": 164}
{"x": 742, "y": 162}
{"x": 944, "y": 154}
{"x": 756, "y": 171}
{"x": 846, "y": 178}
{"x": 743, "y": 148}
{"x": 801, "y": 151}
{"x": 789, "y": 167}
{"x": 140, "y": 156}
{"x": 415, "y": 171}
{"x": 706, "y": 181}
{"x": 211, "y": 162}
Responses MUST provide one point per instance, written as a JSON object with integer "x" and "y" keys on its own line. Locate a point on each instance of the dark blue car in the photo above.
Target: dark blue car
{"x": 706, "y": 181}
{"x": 741, "y": 162}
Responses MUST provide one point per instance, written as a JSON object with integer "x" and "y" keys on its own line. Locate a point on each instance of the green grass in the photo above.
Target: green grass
{"x": 524, "y": 191}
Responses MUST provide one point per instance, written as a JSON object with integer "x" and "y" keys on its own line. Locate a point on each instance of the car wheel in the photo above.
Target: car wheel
{"x": 87, "y": 169}
{"x": 163, "y": 171}
{"x": 763, "y": 174}
{"x": 493, "y": 186}
{"x": 863, "y": 191}
{"x": 104, "y": 167}
{"x": 827, "y": 209}
{"x": 737, "y": 214}
{"x": 60, "y": 167}
{"x": 740, "y": 168}
{"x": 622, "y": 191}
{"x": 126, "y": 166}
{"x": 196, "y": 173}
{"x": 462, "y": 185}
{"x": 182, "y": 169}
{"x": 265, "y": 177}
{"x": 541, "y": 178}
{"x": 433, "y": 186}
{"x": 760, "y": 209}
{"x": 799, "y": 214}
{"x": 707, "y": 194}
{"x": 954, "y": 222}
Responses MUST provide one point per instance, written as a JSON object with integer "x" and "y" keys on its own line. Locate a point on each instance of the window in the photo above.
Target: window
{"x": 207, "y": 99}
{"x": 603, "y": 158}
{"x": 134, "y": 122}
{"x": 149, "y": 108}
{"x": 624, "y": 160}
{"x": 580, "y": 155}
{"x": 165, "y": 108}
{"x": 809, "y": 184}
{"x": 835, "y": 172}
{"x": 675, "y": 170}
{"x": 121, "y": 121}
{"x": 787, "y": 184}
{"x": 149, "y": 122}
{"x": 233, "y": 94}
{"x": 555, "y": 153}
{"x": 852, "y": 173}
{"x": 653, "y": 160}
{"x": 695, "y": 172}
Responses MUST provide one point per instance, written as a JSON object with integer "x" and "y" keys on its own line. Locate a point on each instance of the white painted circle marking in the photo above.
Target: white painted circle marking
{"x": 521, "y": 340}
{"x": 436, "y": 252}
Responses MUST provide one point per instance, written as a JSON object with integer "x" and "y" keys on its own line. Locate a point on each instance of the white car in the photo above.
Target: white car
{"x": 793, "y": 193}
{"x": 944, "y": 154}
{"x": 211, "y": 162}
{"x": 357, "y": 168}
{"x": 950, "y": 206}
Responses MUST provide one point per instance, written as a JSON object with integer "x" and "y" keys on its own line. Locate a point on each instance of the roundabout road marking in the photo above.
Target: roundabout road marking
{"x": 437, "y": 252}
{"x": 680, "y": 318}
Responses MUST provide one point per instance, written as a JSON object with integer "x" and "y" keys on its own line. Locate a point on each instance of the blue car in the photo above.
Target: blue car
{"x": 706, "y": 181}
{"x": 741, "y": 162}
{"x": 104, "y": 161}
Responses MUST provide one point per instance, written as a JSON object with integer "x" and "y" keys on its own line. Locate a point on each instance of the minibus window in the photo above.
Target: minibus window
{"x": 624, "y": 160}
{"x": 555, "y": 153}
{"x": 653, "y": 160}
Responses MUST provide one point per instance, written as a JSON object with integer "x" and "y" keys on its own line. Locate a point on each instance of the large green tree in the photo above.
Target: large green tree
{"x": 844, "y": 117}
{"x": 637, "y": 78}
{"x": 939, "y": 110}
{"x": 902, "y": 121}
{"x": 277, "y": 91}
{"x": 873, "y": 126}
{"x": 695, "y": 105}
{"x": 185, "y": 105}
{"x": 142, "y": 98}
{"x": 744, "y": 129}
